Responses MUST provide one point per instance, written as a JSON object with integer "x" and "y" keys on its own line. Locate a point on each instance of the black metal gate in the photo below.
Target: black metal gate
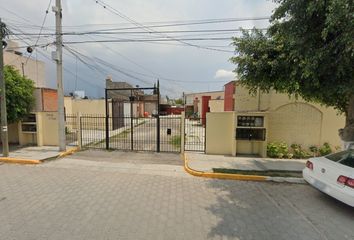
{"x": 195, "y": 134}
{"x": 133, "y": 122}
{"x": 140, "y": 134}
{"x": 71, "y": 128}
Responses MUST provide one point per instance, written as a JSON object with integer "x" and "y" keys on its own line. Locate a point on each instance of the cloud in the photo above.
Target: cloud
{"x": 143, "y": 60}
{"x": 222, "y": 73}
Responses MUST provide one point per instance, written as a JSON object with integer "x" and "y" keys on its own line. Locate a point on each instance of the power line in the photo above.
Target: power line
{"x": 92, "y": 67}
{"x": 201, "y": 22}
{"x": 109, "y": 65}
{"x": 103, "y": 32}
{"x": 40, "y": 31}
{"x": 51, "y": 60}
{"x": 81, "y": 58}
{"x": 156, "y": 24}
{"x": 135, "y": 63}
{"x": 156, "y": 40}
{"x": 148, "y": 29}
{"x": 135, "y": 72}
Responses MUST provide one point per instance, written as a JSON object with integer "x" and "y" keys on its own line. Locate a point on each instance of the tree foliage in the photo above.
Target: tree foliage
{"x": 307, "y": 51}
{"x": 179, "y": 101}
{"x": 19, "y": 94}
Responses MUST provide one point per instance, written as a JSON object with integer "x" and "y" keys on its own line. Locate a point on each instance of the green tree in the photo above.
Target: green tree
{"x": 307, "y": 51}
{"x": 179, "y": 101}
{"x": 19, "y": 94}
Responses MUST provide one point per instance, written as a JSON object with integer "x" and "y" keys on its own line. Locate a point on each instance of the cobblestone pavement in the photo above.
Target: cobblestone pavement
{"x": 49, "y": 201}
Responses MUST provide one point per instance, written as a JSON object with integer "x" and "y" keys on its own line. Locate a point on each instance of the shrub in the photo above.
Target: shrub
{"x": 277, "y": 150}
{"x": 325, "y": 149}
{"x": 281, "y": 150}
{"x": 299, "y": 152}
{"x": 314, "y": 150}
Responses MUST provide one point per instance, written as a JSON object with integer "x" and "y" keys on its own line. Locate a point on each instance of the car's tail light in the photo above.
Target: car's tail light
{"x": 309, "y": 165}
{"x": 350, "y": 182}
{"x": 347, "y": 181}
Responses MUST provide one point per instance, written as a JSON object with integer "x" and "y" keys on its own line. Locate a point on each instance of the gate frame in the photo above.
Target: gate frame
{"x": 205, "y": 136}
{"x": 155, "y": 89}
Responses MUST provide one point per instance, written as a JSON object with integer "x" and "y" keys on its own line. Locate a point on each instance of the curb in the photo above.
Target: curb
{"x": 240, "y": 177}
{"x": 220, "y": 175}
{"x": 68, "y": 152}
{"x": 19, "y": 160}
{"x": 33, "y": 161}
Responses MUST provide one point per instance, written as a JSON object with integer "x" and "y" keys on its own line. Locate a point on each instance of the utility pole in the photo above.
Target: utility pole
{"x": 158, "y": 116}
{"x": 59, "y": 60}
{"x": 4, "y": 132}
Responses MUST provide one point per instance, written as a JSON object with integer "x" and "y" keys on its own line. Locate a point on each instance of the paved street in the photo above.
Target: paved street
{"x": 84, "y": 199}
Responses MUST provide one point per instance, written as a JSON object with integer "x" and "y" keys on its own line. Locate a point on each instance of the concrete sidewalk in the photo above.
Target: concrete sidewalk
{"x": 35, "y": 152}
{"x": 206, "y": 163}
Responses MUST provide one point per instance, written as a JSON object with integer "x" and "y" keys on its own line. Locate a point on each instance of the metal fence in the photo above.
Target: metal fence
{"x": 93, "y": 131}
{"x": 170, "y": 134}
{"x": 71, "y": 129}
{"x": 195, "y": 136}
{"x": 133, "y": 134}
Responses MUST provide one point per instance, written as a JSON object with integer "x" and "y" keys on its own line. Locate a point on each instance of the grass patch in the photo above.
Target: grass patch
{"x": 271, "y": 173}
{"x": 123, "y": 134}
{"x": 176, "y": 141}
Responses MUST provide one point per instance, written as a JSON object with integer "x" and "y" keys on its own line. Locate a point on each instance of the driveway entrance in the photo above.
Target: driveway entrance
{"x": 131, "y": 123}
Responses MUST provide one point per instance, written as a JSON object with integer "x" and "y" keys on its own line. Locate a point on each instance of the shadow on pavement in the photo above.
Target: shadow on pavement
{"x": 254, "y": 210}
{"x": 128, "y": 157}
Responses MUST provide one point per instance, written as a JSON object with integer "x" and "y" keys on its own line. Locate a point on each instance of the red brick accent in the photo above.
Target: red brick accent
{"x": 229, "y": 100}
{"x": 50, "y": 100}
{"x": 205, "y": 108}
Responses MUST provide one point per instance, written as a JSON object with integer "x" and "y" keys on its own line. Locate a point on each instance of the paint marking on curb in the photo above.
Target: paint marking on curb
{"x": 19, "y": 160}
{"x": 68, "y": 152}
{"x": 221, "y": 175}
{"x": 34, "y": 161}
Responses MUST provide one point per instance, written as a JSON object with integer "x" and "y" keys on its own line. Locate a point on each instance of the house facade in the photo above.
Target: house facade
{"x": 30, "y": 131}
{"x": 202, "y": 102}
{"x": 270, "y": 117}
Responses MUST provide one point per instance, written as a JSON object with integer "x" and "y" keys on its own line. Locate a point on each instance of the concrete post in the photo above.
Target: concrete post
{"x": 234, "y": 143}
{"x": 59, "y": 60}
{"x": 183, "y": 134}
{"x": 4, "y": 127}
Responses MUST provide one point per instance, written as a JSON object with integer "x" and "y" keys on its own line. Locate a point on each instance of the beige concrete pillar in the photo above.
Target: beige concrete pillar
{"x": 39, "y": 120}
{"x": 233, "y": 151}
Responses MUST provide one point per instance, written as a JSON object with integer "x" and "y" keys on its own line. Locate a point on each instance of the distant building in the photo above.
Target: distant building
{"x": 29, "y": 67}
{"x": 201, "y": 102}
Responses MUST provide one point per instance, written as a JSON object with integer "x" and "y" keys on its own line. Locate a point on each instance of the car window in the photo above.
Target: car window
{"x": 345, "y": 157}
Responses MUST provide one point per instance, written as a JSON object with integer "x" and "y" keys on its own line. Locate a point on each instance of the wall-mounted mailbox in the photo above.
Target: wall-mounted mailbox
{"x": 250, "y": 128}
{"x": 255, "y": 134}
{"x": 30, "y": 128}
{"x": 250, "y": 121}
{"x": 29, "y": 124}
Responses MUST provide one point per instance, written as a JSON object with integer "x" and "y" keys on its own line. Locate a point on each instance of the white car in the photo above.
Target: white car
{"x": 333, "y": 174}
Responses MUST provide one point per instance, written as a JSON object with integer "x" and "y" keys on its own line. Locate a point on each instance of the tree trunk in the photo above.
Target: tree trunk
{"x": 347, "y": 133}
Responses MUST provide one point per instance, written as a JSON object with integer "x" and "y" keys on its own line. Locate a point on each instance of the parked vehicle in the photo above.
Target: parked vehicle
{"x": 333, "y": 174}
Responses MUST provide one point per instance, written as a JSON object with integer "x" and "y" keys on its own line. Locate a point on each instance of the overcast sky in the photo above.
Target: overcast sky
{"x": 179, "y": 66}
